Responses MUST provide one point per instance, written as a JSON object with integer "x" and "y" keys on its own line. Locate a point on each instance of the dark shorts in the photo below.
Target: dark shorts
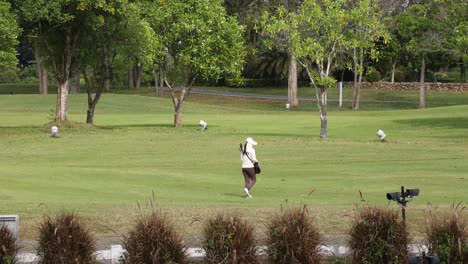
{"x": 249, "y": 173}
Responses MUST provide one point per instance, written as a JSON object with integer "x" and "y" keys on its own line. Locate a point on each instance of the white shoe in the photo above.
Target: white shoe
{"x": 247, "y": 193}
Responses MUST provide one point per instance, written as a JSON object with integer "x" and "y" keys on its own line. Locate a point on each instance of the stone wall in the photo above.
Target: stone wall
{"x": 406, "y": 86}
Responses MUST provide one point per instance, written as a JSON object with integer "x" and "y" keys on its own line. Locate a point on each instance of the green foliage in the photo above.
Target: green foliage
{"x": 8, "y": 76}
{"x": 153, "y": 240}
{"x": 425, "y": 27}
{"x": 9, "y": 31}
{"x": 378, "y": 235}
{"x": 446, "y": 77}
{"x": 447, "y": 235}
{"x": 228, "y": 239}
{"x": 373, "y": 75}
{"x": 399, "y": 76}
{"x": 8, "y": 246}
{"x": 252, "y": 83}
{"x": 198, "y": 38}
{"x": 293, "y": 237}
{"x": 326, "y": 82}
{"x": 65, "y": 238}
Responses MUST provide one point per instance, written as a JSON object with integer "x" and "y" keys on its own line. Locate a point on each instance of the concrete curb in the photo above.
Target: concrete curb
{"x": 113, "y": 255}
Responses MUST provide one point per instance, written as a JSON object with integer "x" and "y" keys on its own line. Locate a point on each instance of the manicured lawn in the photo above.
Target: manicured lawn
{"x": 102, "y": 172}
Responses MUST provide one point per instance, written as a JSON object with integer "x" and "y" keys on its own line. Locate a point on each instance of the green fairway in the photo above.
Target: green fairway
{"x": 102, "y": 172}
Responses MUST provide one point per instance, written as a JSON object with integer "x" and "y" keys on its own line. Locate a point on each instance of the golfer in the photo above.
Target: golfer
{"x": 248, "y": 158}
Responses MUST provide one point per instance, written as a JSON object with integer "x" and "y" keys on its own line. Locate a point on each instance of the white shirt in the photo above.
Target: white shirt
{"x": 246, "y": 162}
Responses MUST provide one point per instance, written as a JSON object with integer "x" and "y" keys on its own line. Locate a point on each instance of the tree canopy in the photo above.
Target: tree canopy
{"x": 9, "y": 31}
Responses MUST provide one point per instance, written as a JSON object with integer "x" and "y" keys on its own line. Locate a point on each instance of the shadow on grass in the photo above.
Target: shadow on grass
{"x": 240, "y": 194}
{"x": 450, "y": 122}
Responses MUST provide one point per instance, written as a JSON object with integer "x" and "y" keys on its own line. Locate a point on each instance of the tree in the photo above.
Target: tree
{"x": 9, "y": 31}
{"x": 426, "y": 29}
{"x": 281, "y": 40}
{"x": 316, "y": 32}
{"x": 458, "y": 13}
{"x": 366, "y": 28}
{"x": 120, "y": 31}
{"x": 200, "y": 41}
{"x": 58, "y": 26}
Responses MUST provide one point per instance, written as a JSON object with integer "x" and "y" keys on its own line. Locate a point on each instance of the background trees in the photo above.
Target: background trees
{"x": 186, "y": 41}
{"x": 426, "y": 29}
{"x": 366, "y": 28}
{"x": 9, "y": 31}
{"x": 281, "y": 39}
{"x": 58, "y": 26}
{"x": 120, "y": 36}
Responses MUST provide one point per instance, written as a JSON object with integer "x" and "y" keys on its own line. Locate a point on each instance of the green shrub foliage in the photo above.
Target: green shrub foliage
{"x": 293, "y": 238}
{"x": 65, "y": 239}
{"x": 377, "y": 235}
{"x": 373, "y": 75}
{"x": 447, "y": 236}
{"x": 153, "y": 240}
{"x": 8, "y": 246}
{"x": 229, "y": 239}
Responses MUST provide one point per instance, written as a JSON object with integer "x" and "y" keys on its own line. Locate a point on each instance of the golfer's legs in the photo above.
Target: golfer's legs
{"x": 249, "y": 177}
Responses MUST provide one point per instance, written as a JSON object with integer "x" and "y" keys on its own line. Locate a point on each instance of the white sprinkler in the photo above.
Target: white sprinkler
{"x": 203, "y": 124}
{"x": 381, "y": 135}
{"x": 54, "y": 131}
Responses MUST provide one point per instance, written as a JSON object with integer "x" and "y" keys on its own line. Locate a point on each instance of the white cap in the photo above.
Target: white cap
{"x": 250, "y": 141}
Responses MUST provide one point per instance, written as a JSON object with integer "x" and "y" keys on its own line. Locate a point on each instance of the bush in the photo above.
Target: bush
{"x": 8, "y": 76}
{"x": 399, "y": 76}
{"x": 65, "y": 239}
{"x": 8, "y": 246}
{"x": 447, "y": 236}
{"x": 252, "y": 83}
{"x": 153, "y": 240}
{"x": 293, "y": 237}
{"x": 229, "y": 239}
{"x": 445, "y": 77}
{"x": 373, "y": 75}
{"x": 378, "y": 235}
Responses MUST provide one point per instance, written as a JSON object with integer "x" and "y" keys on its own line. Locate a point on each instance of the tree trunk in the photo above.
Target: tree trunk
{"x": 75, "y": 79}
{"x": 462, "y": 71}
{"x": 107, "y": 84}
{"x": 178, "y": 115}
{"x": 355, "y": 77}
{"x": 292, "y": 82}
{"x": 161, "y": 83}
{"x": 61, "y": 106}
{"x": 158, "y": 77}
{"x": 137, "y": 72}
{"x": 90, "y": 116}
{"x": 104, "y": 78}
{"x": 422, "y": 97}
{"x": 357, "y": 86}
{"x": 323, "y": 113}
{"x": 131, "y": 83}
{"x": 107, "y": 80}
{"x": 63, "y": 82}
{"x": 42, "y": 74}
{"x": 156, "y": 80}
{"x": 393, "y": 72}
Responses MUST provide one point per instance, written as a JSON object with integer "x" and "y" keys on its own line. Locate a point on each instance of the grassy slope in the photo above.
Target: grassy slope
{"x": 101, "y": 172}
